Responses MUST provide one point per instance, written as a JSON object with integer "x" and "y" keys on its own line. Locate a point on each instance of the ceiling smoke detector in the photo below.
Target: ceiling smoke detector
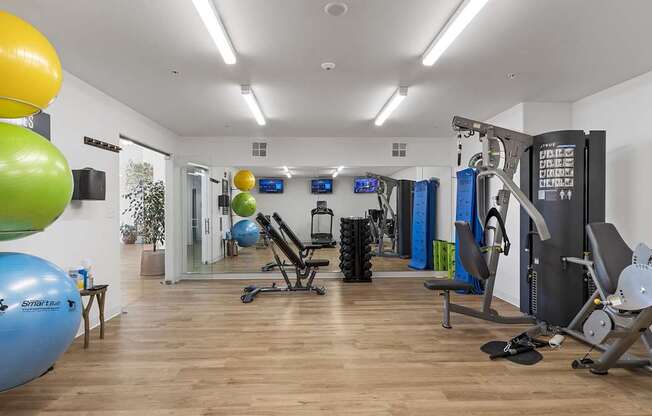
{"x": 328, "y": 66}
{"x": 511, "y": 75}
{"x": 336, "y": 9}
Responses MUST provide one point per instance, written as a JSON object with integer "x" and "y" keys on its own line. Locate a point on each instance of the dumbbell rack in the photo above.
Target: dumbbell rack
{"x": 355, "y": 249}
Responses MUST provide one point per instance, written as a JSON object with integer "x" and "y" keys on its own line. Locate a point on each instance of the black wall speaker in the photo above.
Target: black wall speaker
{"x": 90, "y": 184}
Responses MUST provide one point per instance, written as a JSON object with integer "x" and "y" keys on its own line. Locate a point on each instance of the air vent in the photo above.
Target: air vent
{"x": 399, "y": 149}
{"x": 259, "y": 149}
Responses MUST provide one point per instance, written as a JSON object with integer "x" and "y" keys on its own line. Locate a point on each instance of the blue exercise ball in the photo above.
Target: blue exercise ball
{"x": 40, "y": 311}
{"x": 245, "y": 232}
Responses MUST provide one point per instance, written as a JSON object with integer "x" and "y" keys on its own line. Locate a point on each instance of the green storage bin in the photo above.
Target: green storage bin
{"x": 436, "y": 264}
{"x": 450, "y": 254}
{"x": 443, "y": 253}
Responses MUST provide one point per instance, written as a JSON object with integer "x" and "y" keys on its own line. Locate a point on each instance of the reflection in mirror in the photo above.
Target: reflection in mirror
{"x": 310, "y": 201}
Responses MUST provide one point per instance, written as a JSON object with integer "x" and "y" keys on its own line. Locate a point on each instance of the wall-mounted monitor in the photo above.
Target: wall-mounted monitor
{"x": 365, "y": 185}
{"x": 321, "y": 186}
{"x": 270, "y": 185}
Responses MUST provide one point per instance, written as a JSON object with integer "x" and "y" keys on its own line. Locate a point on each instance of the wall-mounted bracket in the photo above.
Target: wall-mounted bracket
{"x": 101, "y": 145}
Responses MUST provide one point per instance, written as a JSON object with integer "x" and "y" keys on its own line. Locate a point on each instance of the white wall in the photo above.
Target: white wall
{"x": 90, "y": 229}
{"x": 295, "y": 203}
{"x": 624, "y": 111}
{"x": 445, "y": 195}
{"x": 316, "y": 151}
{"x": 507, "y": 276}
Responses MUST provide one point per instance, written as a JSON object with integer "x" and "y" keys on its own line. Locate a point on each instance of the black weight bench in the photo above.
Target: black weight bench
{"x": 306, "y": 251}
{"x": 304, "y": 268}
{"x": 474, "y": 262}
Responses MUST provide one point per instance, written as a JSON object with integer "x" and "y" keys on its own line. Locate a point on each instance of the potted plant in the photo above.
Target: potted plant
{"x": 137, "y": 173}
{"x": 128, "y": 233}
{"x": 147, "y": 207}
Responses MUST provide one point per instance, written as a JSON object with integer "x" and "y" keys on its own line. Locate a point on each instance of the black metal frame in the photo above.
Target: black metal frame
{"x": 322, "y": 239}
{"x": 628, "y": 327}
{"x": 304, "y": 269}
{"x": 305, "y": 251}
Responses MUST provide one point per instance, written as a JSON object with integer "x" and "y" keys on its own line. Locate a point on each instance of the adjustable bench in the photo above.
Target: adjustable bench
{"x": 306, "y": 251}
{"x": 304, "y": 268}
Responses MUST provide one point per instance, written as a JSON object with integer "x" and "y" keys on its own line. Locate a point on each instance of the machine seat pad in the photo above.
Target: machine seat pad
{"x": 447, "y": 284}
{"x": 316, "y": 263}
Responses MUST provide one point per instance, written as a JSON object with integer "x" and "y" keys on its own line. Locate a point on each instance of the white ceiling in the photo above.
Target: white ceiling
{"x": 561, "y": 50}
{"x": 314, "y": 172}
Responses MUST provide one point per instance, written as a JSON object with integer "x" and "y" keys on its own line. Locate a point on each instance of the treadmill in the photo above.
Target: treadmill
{"x": 319, "y": 238}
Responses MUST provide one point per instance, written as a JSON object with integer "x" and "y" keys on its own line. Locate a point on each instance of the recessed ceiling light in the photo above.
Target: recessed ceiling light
{"x": 328, "y": 66}
{"x": 336, "y": 9}
{"x": 511, "y": 75}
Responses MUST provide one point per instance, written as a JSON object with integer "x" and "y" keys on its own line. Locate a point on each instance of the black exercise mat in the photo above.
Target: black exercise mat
{"x": 526, "y": 358}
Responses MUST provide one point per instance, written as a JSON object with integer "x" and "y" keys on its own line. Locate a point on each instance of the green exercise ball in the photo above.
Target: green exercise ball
{"x": 35, "y": 182}
{"x": 244, "y": 204}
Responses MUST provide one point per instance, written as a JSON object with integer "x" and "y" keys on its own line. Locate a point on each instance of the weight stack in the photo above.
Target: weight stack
{"x": 355, "y": 249}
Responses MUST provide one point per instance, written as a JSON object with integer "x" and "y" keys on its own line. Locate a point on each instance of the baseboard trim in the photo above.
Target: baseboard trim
{"x": 426, "y": 274}
{"x": 111, "y": 316}
{"x": 507, "y": 298}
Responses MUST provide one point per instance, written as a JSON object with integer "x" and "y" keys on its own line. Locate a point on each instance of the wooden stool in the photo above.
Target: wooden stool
{"x": 100, "y": 292}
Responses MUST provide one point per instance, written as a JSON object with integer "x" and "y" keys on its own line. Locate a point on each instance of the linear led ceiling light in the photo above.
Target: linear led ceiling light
{"x": 216, "y": 29}
{"x": 391, "y": 105}
{"x": 250, "y": 98}
{"x": 455, "y": 25}
{"x": 197, "y": 165}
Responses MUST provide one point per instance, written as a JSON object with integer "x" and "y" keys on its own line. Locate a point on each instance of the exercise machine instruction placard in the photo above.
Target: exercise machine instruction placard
{"x": 556, "y": 172}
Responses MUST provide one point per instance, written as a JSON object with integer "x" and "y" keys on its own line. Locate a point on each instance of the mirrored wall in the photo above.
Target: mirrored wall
{"x": 311, "y": 201}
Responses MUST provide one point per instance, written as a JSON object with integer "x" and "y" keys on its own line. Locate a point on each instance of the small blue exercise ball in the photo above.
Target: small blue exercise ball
{"x": 245, "y": 232}
{"x": 40, "y": 311}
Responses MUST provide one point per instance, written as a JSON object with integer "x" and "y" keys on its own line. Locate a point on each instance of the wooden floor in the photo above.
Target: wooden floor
{"x": 363, "y": 349}
{"x": 131, "y": 282}
{"x": 252, "y": 259}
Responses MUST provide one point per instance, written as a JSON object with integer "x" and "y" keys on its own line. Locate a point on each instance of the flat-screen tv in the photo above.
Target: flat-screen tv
{"x": 364, "y": 185}
{"x": 321, "y": 186}
{"x": 270, "y": 186}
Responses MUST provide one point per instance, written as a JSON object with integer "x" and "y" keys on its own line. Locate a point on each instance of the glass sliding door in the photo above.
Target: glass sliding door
{"x": 197, "y": 256}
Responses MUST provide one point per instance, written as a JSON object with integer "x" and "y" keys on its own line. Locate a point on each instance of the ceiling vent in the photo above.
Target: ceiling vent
{"x": 399, "y": 149}
{"x": 336, "y": 9}
{"x": 259, "y": 149}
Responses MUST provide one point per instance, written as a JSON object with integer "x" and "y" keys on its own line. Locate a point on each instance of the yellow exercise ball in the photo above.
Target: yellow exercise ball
{"x": 30, "y": 70}
{"x": 244, "y": 180}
